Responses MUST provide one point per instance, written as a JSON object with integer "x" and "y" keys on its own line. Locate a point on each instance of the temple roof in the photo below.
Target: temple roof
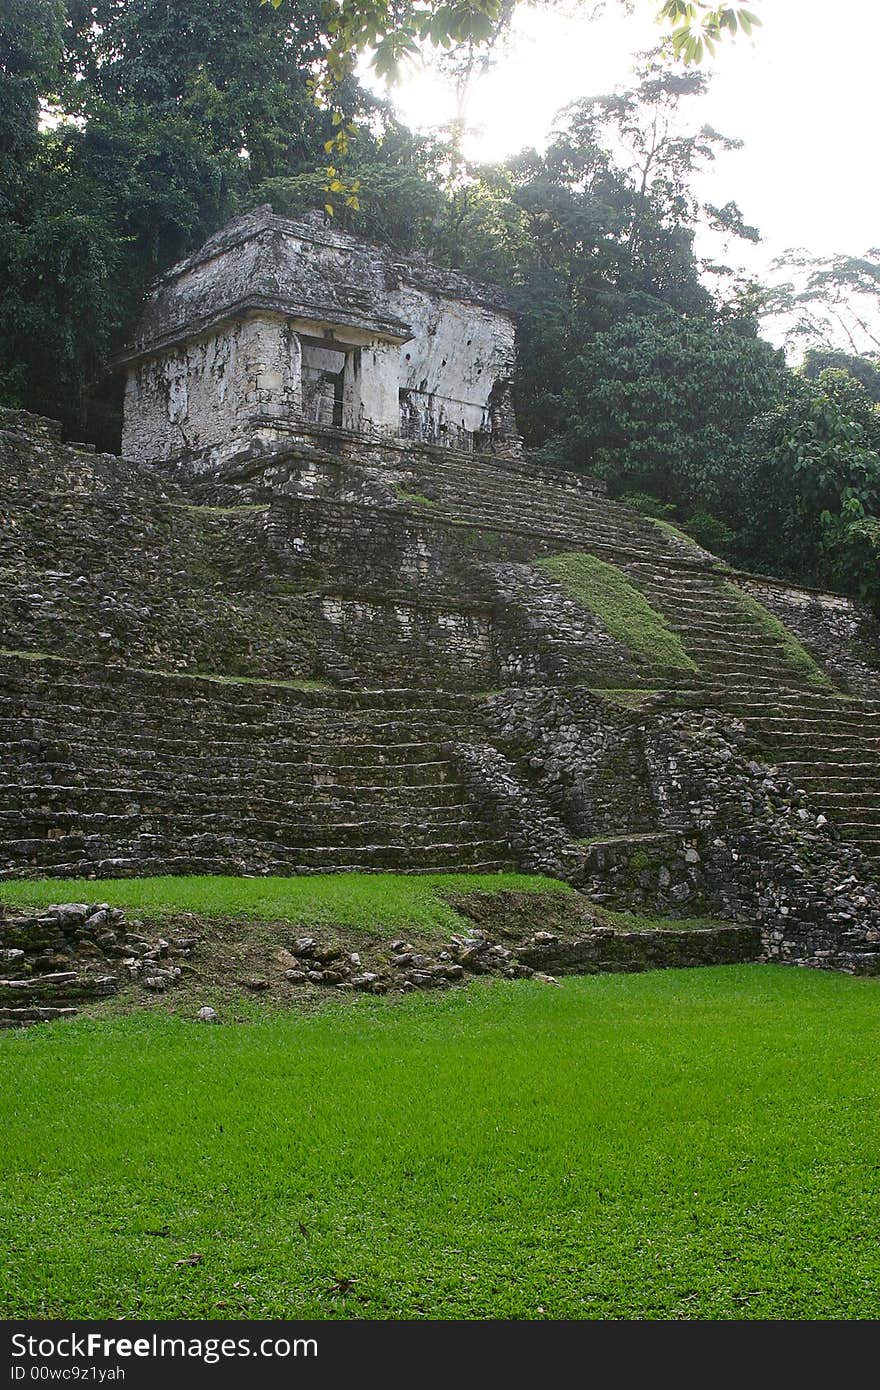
{"x": 300, "y": 268}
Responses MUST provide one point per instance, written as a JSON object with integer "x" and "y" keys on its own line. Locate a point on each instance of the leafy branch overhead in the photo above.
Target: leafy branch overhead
{"x": 697, "y": 26}
{"x": 392, "y": 32}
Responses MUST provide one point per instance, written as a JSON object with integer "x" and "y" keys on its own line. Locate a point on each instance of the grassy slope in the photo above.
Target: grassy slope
{"x": 378, "y": 902}
{"x": 695, "y": 1144}
{"x": 626, "y": 613}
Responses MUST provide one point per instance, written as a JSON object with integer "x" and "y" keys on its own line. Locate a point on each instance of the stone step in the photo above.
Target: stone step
{"x": 819, "y": 732}
{"x": 867, "y": 785}
{"x": 795, "y": 768}
{"x": 347, "y": 754}
{"x": 75, "y": 828}
{"x": 812, "y": 722}
{"x": 809, "y": 699}
{"x": 216, "y": 722}
{"x": 405, "y": 781}
{"x": 281, "y": 822}
{"x": 25, "y": 1017}
{"x": 240, "y": 856}
{"x": 74, "y": 806}
{"x": 869, "y": 800}
{"x": 58, "y": 986}
{"x": 307, "y": 795}
{"x": 868, "y": 844}
{"x": 828, "y": 752}
{"x": 25, "y": 673}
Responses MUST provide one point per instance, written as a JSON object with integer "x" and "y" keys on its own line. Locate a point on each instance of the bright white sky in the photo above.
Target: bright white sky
{"x": 802, "y": 96}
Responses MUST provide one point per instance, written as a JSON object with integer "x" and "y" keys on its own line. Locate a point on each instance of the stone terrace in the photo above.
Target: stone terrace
{"x": 296, "y": 663}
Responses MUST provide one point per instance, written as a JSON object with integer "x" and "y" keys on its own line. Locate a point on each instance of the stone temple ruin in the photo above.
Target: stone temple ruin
{"x": 315, "y": 618}
{"x": 277, "y": 328}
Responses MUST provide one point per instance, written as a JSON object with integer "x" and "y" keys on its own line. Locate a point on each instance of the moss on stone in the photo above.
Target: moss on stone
{"x": 625, "y": 699}
{"x": 796, "y": 656}
{"x": 626, "y": 613}
{"x": 646, "y": 922}
{"x": 639, "y": 862}
{"x": 417, "y": 498}
{"x": 198, "y": 509}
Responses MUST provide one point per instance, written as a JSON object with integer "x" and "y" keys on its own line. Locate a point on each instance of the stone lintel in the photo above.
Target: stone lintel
{"x": 347, "y": 331}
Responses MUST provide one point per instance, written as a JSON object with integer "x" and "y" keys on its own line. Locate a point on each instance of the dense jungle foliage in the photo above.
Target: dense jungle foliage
{"x": 132, "y": 129}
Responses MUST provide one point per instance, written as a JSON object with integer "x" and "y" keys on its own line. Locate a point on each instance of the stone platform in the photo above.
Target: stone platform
{"x": 340, "y": 655}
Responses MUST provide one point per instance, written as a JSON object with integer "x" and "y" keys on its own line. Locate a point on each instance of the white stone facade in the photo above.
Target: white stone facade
{"x": 287, "y": 324}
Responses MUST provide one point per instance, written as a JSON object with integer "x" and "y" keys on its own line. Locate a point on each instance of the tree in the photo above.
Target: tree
{"x": 829, "y": 302}
{"x": 811, "y": 499}
{"x": 30, "y": 46}
{"x": 661, "y": 404}
{"x": 698, "y": 25}
{"x": 166, "y": 115}
{"x": 610, "y": 215}
{"x": 866, "y": 370}
{"x": 238, "y": 74}
{"x": 394, "y": 29}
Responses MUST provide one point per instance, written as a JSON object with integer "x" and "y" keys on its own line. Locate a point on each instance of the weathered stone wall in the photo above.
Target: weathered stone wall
{"x": 542, "y": 633}
{"x": 585, "y": 758}
{"x": 536, "y": 835}
{"x": 659, "y": 875}
{"x": 447, "y": 372}
{"x": 370, "y": 394}
{"x": 423, "y": 352}
{"x": 401, "y": 644}
{"x": 201, "y": 392}
{"x": 767, "y": 856}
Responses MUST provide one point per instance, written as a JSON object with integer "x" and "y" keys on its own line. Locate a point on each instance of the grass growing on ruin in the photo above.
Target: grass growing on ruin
{"x": 682, "y": 1144}
{"x": 375, "y": 902}
{"x": 796, "y": 656}
{"x": 626, "y": 613}
{"x": 624, "y": 699}
{"x": 416, "y": 498}
{"x": 676, "y": 533}
{"x": 200, "y": 509}
{"x": 304, "y": 683}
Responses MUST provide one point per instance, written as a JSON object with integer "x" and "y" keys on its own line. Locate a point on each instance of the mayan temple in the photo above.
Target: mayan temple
{"x": 324, "y": 614}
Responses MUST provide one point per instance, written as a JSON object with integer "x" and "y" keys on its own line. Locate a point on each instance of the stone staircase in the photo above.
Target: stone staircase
{"x": 725, "y": 642}
{"x": 466, "y": 492}
{"x": 533, "y": 502}
{"x": 825, "y": 743}
{"x": 292, "y": 756}
{"x": 115, "y": 771}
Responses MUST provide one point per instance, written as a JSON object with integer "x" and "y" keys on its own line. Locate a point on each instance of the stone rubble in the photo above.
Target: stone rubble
{"x": 56, "y": 957}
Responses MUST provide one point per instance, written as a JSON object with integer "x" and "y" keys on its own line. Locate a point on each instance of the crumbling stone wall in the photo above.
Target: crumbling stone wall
{"x": 381, "y": 638}
{"x": 201, "y": 391}
{"x": 285, "y": 320}
{"x": 585, "y": 757}
{"x": 767, "y": 855}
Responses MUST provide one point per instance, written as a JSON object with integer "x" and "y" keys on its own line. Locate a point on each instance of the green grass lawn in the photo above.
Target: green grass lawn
{"x": 690, "y": 1144}
{"x": 375, "y": 902}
